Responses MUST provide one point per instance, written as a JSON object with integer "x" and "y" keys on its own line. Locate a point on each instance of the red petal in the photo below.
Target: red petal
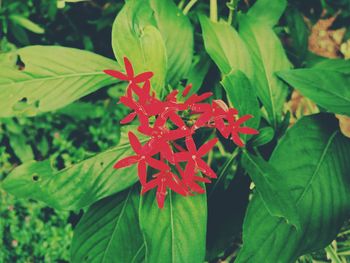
{"x": 172, "y": 96}
{"x": 176, "y": 134}
{"x": 128, "y": 67}
{"x": 243, "y": 119}
{"x": 189, "y": 170}
{"x": 157, "y": 164}
{"x": 187, "y": 90}
{"x": 203, "y": 119}
{"x": 147, "y": 87}
{"x": 237, "y": 140}
{"x": 160, "y": 195}
{"x": 191, "y": 146}
{"x": 176, "y": 187}
{"x": 179, "y": 147}
{"x": 220, "y": 126}
{"x": 116, "y": 74}
{"x": 142, "y": 172}
{"x": 205, "y": 148}
{"x": 148, "y": 186}
{"x": 201, "y": 107}
{"x": 176, "y": 119}
{"x": 129, "y": 118}
{"x": 143, "y": 77}
{"x": 166, "y": 152}
{"x": 196, "y": 188}
{"x": 247, "y": 130}
{"x": 201, "y": 179}
{"x": 182, "y": 156}
{"x": 205, "y": 168}
{"x": 135, "y": 143}
{"x": 126, "y": 162}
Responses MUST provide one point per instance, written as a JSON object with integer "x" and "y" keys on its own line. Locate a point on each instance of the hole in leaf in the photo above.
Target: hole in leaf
{"x": 20, "y": 64}
{"x": 35, "y": 178}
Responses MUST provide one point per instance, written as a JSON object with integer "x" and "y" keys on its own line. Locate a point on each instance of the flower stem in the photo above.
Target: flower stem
{"x": 214, "y": 10}
{"x": 189, "y": 6}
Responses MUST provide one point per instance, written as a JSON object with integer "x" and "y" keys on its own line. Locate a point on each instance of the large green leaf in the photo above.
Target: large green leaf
{"x": 76, "y": 186}
{"x": 267, "y": 12}
{"x": 274, "y": 194}
{"x": 52, "y": 77}
{"x": 175, "y": 233}
{"x": 225, "y": 47}
{"x": 268, "y": 56}
{"x": 173, "y": 24}
{"x": 241, "y": 94}
{"x": 109, "y": 231}
{"x": 135, "y": 36}
{"x": 327, "y": 84}
{"x": 314, "y": 163}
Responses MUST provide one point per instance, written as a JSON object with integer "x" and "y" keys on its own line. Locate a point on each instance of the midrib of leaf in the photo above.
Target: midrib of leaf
{"x": 319, "y": 163}
{"x": 55, "y": 77}
{"x": 117, "y": 224}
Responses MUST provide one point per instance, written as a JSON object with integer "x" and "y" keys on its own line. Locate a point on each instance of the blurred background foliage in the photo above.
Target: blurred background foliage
{"x": 32, "y": 232}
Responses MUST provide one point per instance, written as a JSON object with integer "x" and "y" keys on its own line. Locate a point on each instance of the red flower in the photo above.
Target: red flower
{"x": 234, "y": 129}
{"x": 142, "y": 157}
{"x": 130, "y": 75}
{"x": 193, "y": 156}
{"x": 168, "y": 124}
{"x": 164, "y": 180}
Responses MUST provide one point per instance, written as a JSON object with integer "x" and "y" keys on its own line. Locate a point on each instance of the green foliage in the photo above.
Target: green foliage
{"x": 112, "y": 221}
{"x": 320, "y": 188}
{"x": 60, "y": 133}
{"x": 32, "y": 232}
{"x": 41, "y": 181}
{"x": 177, "y": 232}
{"x": 326, "y": 83}
{"x": 48, "y": 71}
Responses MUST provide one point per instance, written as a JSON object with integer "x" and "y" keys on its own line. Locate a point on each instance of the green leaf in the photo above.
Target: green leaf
{"x": 225, "y": 47}
{"x": 27, "y": 24}
{"x": 175, "y": 233}
{"x": 173, "y": 24}
{"x": 265, "y": 135}
{"x": 53, "y": 77}
{"x": 198, "y": 71}
{"x": 76, "y": 186}
{"x": 135, "y": 36}
{"x": 327, "y": 84}
{"x": 276, "y": 197}
{"x": 109, "y": 231}
{"x": 268, "y": 56}
{"x": 267, "y": 12}
{"x": 299, "y": 33}
{"x": 241, "y": 94}
{"x": 313, "y": 159}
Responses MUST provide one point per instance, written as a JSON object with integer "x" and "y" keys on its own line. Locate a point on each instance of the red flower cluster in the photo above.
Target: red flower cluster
{"x": 171, "y": 150}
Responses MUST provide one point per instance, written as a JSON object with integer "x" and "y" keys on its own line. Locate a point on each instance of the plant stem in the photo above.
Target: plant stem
{"x": 214, "y": 10}
{"x": 181, "y": 4}
{"x": 230, "y": 14}
{"x": 331, "y": 253}
{"x": 189, "y": 6}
